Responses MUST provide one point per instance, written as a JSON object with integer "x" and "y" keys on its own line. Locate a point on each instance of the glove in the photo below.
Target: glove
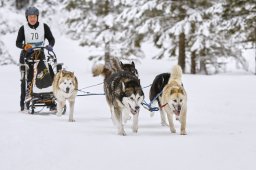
{"x": 49, "y": 48}
{"x": 28, "y": 47}
{"x": 30, "y": 50}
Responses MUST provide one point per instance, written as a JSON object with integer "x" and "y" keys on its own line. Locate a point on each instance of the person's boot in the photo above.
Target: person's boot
{"x": 22, "y": 108}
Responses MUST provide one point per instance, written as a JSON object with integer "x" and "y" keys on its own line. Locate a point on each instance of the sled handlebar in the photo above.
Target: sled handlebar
{"x": 51, "y": 55}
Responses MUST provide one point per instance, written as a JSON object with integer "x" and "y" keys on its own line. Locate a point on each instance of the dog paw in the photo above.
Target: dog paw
{"x": 173, "y": 130}
{"x": 164, "y": 124}
{"x": 71, "y": 120}
{"x": 53, "y": 111}
{"x": 135, "y": 130}
{"x": 122, "y": 133}
{"x": 183, "y": 132}
{"x": 59, "y": 114}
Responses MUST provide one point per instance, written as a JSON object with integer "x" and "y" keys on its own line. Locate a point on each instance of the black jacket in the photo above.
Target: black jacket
{"x": 47, "y": 33}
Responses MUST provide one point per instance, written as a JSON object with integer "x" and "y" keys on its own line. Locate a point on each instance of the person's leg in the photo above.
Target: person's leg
{"x": 23, "y": 93}
{"x": 22, "y": 81}
{"x": 29, "y": 82}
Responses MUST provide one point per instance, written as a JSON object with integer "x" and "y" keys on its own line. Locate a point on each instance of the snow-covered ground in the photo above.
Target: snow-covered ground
{"x": 221, "y": 124}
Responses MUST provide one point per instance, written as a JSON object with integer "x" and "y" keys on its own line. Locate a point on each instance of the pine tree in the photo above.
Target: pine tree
{"x": 240, "y": 20}
{"x": 5, "y": 28}
{"x": 167, "y": 23}
{"x": 21, "y": 3}
{"x": 239, "y": 26}
{"x": 207, "y": 43}
{"x": 93, "y": 23}
{"x": 187, "y": 30}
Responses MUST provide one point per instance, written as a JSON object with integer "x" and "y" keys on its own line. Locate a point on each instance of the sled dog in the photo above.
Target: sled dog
{"x": 123, "y": 92}
{"x": 65, "y": 88}
{"x": 173, "y": 100}
{"x": 155, "y": 93}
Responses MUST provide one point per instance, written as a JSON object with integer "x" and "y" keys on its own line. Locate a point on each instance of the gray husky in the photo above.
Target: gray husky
{"x": 123, "y": 92}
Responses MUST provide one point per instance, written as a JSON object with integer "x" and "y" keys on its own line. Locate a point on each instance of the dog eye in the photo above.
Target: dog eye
{"x": 180, "y": 100}
{"x": 131, "y": 98}
{"x": 70, "y": 83}
{"x": 65, "y": 83}
{"x": 175, "y": 101}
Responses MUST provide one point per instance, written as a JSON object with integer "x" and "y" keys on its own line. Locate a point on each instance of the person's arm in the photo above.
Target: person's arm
{"x": 20, "y": 38}
{"x": 48, "y": 35}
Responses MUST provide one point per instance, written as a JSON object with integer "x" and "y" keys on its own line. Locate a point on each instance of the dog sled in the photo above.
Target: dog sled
{"x": 40, "y": 90}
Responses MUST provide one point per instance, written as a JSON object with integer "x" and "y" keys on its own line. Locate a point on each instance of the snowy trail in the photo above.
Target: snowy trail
{"x": 221, "y": 125}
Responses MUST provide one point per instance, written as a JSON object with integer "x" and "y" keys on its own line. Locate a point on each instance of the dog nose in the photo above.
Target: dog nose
{"x": 67, "y": 90}
{"x": 179, "y": 107}
{"x": 137, "y": 107}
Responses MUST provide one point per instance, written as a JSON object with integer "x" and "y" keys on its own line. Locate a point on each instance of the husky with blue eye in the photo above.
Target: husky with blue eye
{"x": 65, "y": 87}
{"x": 123, "y": 92}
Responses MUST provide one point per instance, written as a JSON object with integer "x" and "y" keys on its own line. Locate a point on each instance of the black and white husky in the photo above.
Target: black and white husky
{"x": 123, "y": 92}
{"x": 155, "y": 93}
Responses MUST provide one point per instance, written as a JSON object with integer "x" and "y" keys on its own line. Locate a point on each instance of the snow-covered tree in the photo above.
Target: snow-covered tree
{"x": 6, "y": 27}
{"x": 169, "y": 24}
{"x": 240, "y": 20}
{"x": 238, "y": 26}
{"x": 192, "y": 31}
{"x": 21, "y": 3}
{"x": 5, "y": 55}
{"x": 93, "y": 23}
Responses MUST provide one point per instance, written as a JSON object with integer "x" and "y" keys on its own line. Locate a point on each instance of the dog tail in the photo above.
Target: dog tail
{"x": 98, "y": 70}
{"x": 113, "y": 64}
{"x": 176, "y": 72}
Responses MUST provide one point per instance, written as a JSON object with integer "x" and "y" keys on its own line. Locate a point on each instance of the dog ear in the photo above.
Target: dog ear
{"x": 121, "y": 63}
{"x": 139, "y": 81}
{"x": 61, "y": 73}
{"x": 173, "y": 91}
{"x": 133, "y": 64}
{"x": 181, "y": 91}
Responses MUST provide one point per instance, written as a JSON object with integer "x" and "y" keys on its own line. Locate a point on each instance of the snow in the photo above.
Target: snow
{"x": 221, "y": 123}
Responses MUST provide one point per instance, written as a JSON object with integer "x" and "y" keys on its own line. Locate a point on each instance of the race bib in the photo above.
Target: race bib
{"x": 35, "y": 37}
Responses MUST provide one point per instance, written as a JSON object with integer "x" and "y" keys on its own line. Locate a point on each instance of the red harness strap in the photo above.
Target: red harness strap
{"x": 163, "y": 105}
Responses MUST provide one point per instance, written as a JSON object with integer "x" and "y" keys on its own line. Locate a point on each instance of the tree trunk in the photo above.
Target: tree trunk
{"x": 106, "y": 7}
{"x": 193, "y": 62}
{"x": 203, "y": 69}
{"x": 182, "y": 57}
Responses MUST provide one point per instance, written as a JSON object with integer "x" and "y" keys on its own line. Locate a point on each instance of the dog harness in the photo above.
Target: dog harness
{"x": 35, "y": 37}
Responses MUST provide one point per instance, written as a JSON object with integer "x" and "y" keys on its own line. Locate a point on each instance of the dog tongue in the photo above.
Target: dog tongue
{"x": 176, "y": 112}
{"x": 133, "y": 112}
